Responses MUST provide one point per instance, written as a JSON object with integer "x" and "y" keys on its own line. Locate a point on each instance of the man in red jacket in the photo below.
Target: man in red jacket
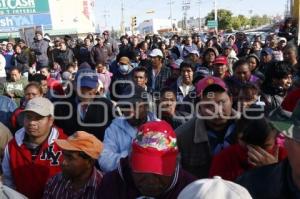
{"x": 32, "y": 157}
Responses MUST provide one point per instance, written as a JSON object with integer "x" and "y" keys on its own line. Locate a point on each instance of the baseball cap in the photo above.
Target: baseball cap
{"x": 227, "y": 46}
{"x": 156, "y": 53}
{"x": 41, "y": 106}
{"x": 82, "y": 141}
{"x": 39, "y": 32}
{"x": 280, "y": 39}
{"x": 211, "y": 49}
{"x": 214, "y": 188}
{"x": 124, "y": 60}
{"x": 207, "y": 81}
{"x": 4, "y": 43}
{"x": 133, "y": 93}
{"x": 22, "y": 41}
{"x": 154, "y": 150}
{"x": 99, "y": 37}
{"x": 288, "y": 123}
{"x": 194, "y": 52}
{"x": 106, "y": 32}
{"x": 221, "y": 60}
{"x": 86, "y": 78}
{"x": 176, "y": 64}
{"x": 267, "y": 51}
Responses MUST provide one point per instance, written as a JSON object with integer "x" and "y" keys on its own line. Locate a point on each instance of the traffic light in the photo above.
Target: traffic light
{"x": 133, "y": 21}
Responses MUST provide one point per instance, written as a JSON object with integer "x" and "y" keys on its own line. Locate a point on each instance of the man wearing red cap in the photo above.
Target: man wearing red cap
{"x": 212, "y": 130}
{"x": 151, "y": 170}
{"x": 220, "y": 68}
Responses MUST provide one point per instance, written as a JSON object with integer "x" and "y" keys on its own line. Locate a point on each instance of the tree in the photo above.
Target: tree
{"x": 236, "y": 23}
{"x": 224, "y": 18}
{"x": 243, "y": 20}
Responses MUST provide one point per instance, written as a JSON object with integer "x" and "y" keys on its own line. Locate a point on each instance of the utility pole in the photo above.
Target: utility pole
{"x": 105, "y": 16}
{"x": 185, "y": 8}
{"x": 171, "y": 16}
{"x": 199, "y": 3}
{"x": 216, "y": 14}
{"x": 122, "y": 17}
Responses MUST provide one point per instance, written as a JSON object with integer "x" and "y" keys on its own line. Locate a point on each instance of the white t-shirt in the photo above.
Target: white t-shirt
{"x": 2, "y": 66}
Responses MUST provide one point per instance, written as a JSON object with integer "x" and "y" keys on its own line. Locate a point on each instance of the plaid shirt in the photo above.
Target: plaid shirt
{"x": 160, "y": 79}
{"x": 60, "y": 187}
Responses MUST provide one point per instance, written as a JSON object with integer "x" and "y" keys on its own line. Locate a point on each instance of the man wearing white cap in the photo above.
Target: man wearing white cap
{"x": 214, "y": 188}
{"x": 32, "y": 157}
{"x": 158, "y": 74}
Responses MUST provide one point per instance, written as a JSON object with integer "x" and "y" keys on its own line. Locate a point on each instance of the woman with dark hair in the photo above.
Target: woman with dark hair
{"x": 276, "y": 85}
{"x": 257, "y": 147}
{"x": 254, "y": 62}
{"x": 90, "y": 36}
{"x": 209, "y": 57}
{"x": 20, "y": 59}
{"x": 144, "y": 50}
{"x": 242, "y": 72}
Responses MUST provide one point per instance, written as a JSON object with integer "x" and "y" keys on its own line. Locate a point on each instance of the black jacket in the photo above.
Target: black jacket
{"x": 64, "y": 58}
{"x": 95, "y": 115}
{"x": 21, "y": 61}
{"x": 269, "y": 182}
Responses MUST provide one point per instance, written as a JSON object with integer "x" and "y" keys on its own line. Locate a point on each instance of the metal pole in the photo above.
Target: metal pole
{"x": 171, "y": 13}
{"x": 216, "y": 14}
{"x": 199, "y": 2}
{"x": 122, "y": 17}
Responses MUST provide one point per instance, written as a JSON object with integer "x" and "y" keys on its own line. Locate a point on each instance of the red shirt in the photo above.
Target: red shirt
{"x": 55, "y": 86}
{"x": 290, "y": 101}
{"x": 30, "y": 175}
{"x": 233, "y": 162}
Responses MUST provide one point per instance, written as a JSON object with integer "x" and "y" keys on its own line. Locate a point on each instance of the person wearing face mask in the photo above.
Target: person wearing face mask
{"x": 119, "y": 135}
{"x": 121, "y": 78}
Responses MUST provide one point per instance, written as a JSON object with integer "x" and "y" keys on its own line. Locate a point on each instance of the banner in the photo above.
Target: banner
{"x": 12, "y": 23}
{"x": 29, "y": 33}
{"x": 20, "y": 7}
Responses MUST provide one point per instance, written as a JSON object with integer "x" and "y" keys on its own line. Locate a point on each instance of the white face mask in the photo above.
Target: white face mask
{"x": 123, "y": 68}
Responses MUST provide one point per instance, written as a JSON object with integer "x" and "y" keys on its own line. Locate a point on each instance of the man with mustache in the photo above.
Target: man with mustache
{"x": 32, "y": 157}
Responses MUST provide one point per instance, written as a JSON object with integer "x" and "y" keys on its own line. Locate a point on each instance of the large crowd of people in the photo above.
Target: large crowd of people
{"x": 151, "y": 117}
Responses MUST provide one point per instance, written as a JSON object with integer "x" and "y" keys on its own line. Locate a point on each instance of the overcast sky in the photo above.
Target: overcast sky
{"x": 112, "y": 8}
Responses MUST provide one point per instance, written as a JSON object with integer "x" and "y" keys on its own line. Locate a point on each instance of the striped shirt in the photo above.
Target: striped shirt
{"x": 61, "y": 188}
